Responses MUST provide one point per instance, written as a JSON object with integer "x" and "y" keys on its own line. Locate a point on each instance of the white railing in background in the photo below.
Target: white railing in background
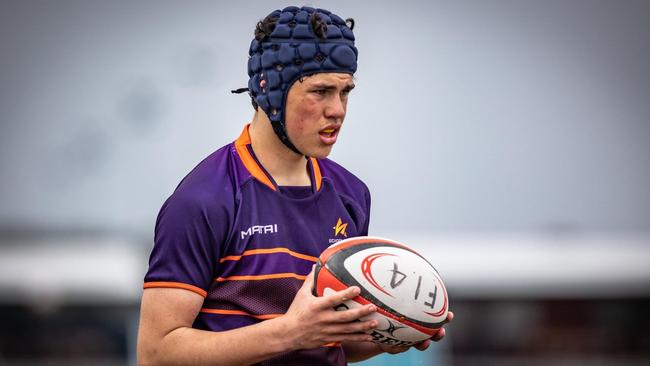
{"x": 104, "y": 270}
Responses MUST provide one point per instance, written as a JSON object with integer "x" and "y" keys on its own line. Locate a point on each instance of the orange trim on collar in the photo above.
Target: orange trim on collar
{"x": 248, "y": 160}
{"x": 256, "y": 171}
{"x": 317, "y": 174}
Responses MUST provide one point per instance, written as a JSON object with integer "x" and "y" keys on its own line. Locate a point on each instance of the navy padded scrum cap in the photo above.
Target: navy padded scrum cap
{"x": 294, "y": 50}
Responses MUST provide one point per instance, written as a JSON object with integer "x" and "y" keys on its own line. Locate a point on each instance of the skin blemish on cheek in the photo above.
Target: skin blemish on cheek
{"x": 301, "y": 125}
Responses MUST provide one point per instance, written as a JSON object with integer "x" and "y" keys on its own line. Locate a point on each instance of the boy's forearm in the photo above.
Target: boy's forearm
{"x": 188, "y": 346}
{"x": 359, "y": 351}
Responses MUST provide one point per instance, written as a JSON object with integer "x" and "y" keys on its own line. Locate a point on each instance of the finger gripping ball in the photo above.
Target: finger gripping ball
{"x": 410, "y": 296}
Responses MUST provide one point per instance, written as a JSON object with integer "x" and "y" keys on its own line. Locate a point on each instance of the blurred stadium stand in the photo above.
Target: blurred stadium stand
{"x": 73, "y": 299}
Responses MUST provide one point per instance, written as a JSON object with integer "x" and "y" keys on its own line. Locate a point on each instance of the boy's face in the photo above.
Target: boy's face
{"x": 315, "y": 110}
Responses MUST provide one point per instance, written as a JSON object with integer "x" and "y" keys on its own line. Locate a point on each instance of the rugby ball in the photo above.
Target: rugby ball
{"x": 410, "y": 296}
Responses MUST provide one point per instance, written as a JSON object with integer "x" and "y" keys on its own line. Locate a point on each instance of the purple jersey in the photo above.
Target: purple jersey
{"x": 231, "y": 235}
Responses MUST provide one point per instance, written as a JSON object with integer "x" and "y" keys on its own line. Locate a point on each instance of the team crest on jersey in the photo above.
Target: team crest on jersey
{"x": 340, "y": 227}
{"x": 339, "y": 230}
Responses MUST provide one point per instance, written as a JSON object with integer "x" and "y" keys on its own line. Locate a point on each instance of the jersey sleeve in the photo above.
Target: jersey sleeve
{"x": 366, "y": 225}
{"x": 189, "y": 235}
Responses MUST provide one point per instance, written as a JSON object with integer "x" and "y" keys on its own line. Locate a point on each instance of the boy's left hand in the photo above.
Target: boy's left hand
{"x": 438, "y": 336}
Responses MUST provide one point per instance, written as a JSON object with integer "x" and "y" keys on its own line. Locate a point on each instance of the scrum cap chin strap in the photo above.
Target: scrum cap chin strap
{"x": 292, "y": 51}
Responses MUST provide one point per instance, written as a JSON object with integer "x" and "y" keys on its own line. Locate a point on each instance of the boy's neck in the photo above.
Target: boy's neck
{"x": 285, "y": 166}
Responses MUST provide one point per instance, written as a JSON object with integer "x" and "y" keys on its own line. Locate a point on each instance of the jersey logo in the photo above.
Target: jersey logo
{"x": 340, "y": 228}
{"x": 260, "y": 229}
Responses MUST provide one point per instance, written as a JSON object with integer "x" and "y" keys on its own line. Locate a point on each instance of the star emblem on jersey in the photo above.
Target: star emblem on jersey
{"x": 340, "y": 228}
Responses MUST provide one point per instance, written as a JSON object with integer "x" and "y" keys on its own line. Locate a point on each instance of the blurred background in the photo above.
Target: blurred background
{"x": 509, "y": 141}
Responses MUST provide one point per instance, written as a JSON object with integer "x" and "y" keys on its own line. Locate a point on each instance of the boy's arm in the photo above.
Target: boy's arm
{"x": 166, "y": 336}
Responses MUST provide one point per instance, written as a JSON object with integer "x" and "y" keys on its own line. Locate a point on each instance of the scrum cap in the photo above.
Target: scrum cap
{"x": 294, "y": 50}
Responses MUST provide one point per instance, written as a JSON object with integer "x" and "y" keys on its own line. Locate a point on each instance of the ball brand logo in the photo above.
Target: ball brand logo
{"x": 340, "y": 227}
{"x": 366, "y": 269}
{"x": 392, "y": 328}
{"x": 387, "y": 336}
{"x": 380, "y": 338}
{"x": 260, "y": 229}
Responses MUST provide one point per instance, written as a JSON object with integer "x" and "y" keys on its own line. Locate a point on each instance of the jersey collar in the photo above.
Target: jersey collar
{"x": 245, "y": 152}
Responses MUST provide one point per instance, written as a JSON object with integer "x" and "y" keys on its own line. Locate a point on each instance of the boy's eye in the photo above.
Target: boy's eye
{"x": 320, "y": 91}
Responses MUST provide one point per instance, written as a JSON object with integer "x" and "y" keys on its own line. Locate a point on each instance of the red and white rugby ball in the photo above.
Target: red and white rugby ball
{"x": 410, "y": 296}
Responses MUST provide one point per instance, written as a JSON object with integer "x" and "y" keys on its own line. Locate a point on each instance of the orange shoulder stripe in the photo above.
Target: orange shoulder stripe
{"x": 248, "y": 160}
{"x": 184, "y": 286}
{"x": 261, "y": 277}
{"x": 317, "y": 174}
{"x": 269, "y": 251}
